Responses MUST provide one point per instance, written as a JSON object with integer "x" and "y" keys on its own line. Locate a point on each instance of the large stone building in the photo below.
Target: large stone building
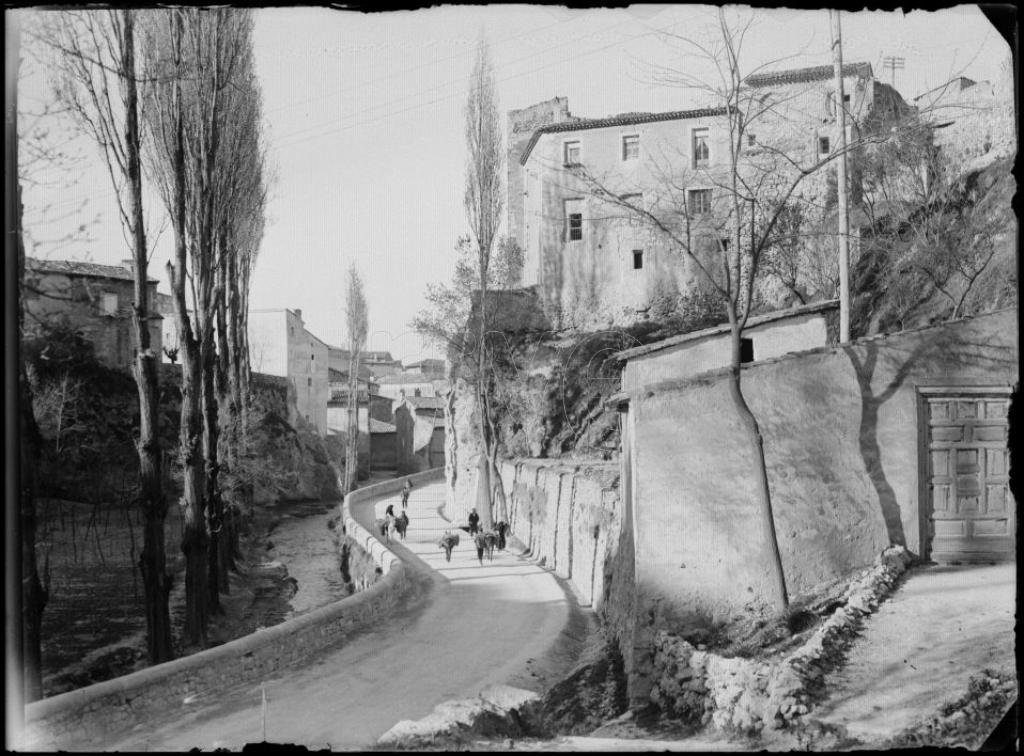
{"x": 279, "y": 344}
{"x": 597, "y": 263}
{"x": 93, "y": 300}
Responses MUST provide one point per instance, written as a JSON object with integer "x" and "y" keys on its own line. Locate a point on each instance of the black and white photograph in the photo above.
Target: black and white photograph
{"x": 511, "y": 378}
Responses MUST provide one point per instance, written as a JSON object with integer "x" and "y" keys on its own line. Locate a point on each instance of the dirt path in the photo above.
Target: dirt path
{"x": 496, "y": 623}
{"x": 942, "y": 626}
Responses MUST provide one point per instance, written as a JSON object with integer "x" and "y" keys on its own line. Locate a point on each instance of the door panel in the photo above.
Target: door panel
{"x": 972, "y": 510}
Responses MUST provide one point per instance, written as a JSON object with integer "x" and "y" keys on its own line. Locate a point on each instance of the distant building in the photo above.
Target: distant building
{"x": 411, "y": 383}
{"x": 419, "y": 423}
{"x": 380, "y": 363}
{"x": 430, "y": 368}
{"x": 93, "y": 300}
{"x": 279, "y": 344}
{"x": 971, "y": 121}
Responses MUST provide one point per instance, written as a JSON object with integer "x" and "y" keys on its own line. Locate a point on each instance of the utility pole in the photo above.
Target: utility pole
{"x": 893, "y": 62}
{"x": 844, "y": 215}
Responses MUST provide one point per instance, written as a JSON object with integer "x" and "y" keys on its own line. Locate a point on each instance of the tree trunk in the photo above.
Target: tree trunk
{"x": 152, "y": 501}
{"x": 781, "y": 598}
{"x": 194, "y": 536}
{"x": 351, "y": 450}
{"x": 211, "y": 465}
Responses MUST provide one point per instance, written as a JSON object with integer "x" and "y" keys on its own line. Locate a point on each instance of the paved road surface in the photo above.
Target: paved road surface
{"x": 480, "y": 625}
{"x": 943, "y": 625}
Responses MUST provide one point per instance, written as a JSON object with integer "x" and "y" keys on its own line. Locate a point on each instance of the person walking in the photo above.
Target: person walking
{"x": 406, "y": 490}
{"x": 474, "y": 521}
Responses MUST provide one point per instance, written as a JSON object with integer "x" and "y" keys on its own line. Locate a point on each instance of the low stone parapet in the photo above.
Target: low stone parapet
{"x": 74, "y": 718}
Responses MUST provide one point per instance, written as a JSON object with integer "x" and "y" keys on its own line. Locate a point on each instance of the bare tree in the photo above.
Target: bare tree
{"x": 484, "y": 207}
{"x": 357, "y": 322}
{"x": 98, "y": 82}
{"x": 201, "y": 95}
{"x": 448, "y": 320}
{"x": 724, "y": 228}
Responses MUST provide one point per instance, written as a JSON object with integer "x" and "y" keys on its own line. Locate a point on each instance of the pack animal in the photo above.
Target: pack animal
{"x": 485, "y": 543}
{"x": 502, "y": 529}
{"x": 402, "y": 524}
{"x": 448, "y": 542}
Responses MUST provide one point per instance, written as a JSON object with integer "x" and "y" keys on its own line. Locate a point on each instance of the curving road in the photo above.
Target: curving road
{"x": 480, "y": 625}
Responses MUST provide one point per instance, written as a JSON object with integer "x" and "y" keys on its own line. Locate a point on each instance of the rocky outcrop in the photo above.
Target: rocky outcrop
{"x": 748, "y": 695}
{"x": 499, "y": 711}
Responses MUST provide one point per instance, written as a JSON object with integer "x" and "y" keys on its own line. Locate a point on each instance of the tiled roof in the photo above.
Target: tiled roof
{"x": 426, "y": 402}
{"x": 379, "y": 426}
{"x": 757, "y": 320}
{"x": 792, "y": 76}
{"x": 76, "y": 268}
{"x": 624, "y": 119}
{"x": 800, "y": 75}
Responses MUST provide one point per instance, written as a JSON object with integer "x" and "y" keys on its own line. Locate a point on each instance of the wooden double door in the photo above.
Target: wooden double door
{"x": 972, "y": 514}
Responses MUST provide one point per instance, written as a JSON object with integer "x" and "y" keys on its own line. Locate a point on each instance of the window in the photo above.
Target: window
{"x": 751, "y": 140}
{"x": 574, "y": 220}
{"x": 823, "y": 145}
{"x": 701, "y": 148}
{"x": 631, "y": 147}
{"x": 417, "y": 392}
{"x": 746, "y": 350}
{"x": 312, "y": 358}
{"x": 109, "y": 303}
{"x": 309, "y": 382}
{"x": 699, "y": 201}
{"x": 638, "y": 259}
{"x": 726, "y": 242}
{"x": 572, "y": 153}
{"x": 846, "y": 98}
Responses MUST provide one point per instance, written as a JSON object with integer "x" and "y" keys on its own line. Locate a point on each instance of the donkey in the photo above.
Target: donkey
{"x": 485, "y": 543}
{"x": 448, "y": 542}
{"x": 402, "y": 524}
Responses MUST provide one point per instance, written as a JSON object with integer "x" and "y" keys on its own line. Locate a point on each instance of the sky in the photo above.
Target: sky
{"x": 364, "y": 112}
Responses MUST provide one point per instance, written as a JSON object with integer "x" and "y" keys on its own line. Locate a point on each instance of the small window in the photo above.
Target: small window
{"x": 701, "y": 148}
{"x": 291, "y": 330}
{"x": 312, "y": 357}
{"x": 699, "y": 201}
{"x": 417, "y": 392}
{"x": 638, "y": 259}
{"x": 631, "y": 147}
{"x": 309, "y": 381}
{"x": 751, "y": 140}
{"x": 824, "y": 147}
{"x": 846, "y": 98}
{"x": 109, "y": 303}
{"x": 574, "y": 220}
{"x": 726, "y": 243}
{"x": 746, "y": 350}
{"x": 572, "y": 153}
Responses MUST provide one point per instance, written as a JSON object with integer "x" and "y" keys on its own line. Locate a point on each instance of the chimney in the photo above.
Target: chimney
{"x": 298, "y": 313}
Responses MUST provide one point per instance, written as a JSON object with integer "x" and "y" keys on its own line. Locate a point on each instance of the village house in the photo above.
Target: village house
{"x": 370, "y": 407}
{"x": 430, "y": 368}
{"x": 92, "y": 300}
{"x": 409, "y": 384}
{"x": 280, "y": 344}
{"x": 596, "y": 263}
{"x": 419, "y": 423}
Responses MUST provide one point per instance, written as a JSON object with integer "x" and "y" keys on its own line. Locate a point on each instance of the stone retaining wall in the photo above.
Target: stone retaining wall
{"x": 76, "y": 716}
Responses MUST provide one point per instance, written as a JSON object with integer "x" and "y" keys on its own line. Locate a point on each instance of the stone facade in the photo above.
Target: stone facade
{"x": 419, "y": 439}
{"x": 598, "y": 264}
{"x": 94, "y": 300}
{"x": 973, "y": 121}
{"x": 842, "y": 429}
{"x": 279, "y": 344}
